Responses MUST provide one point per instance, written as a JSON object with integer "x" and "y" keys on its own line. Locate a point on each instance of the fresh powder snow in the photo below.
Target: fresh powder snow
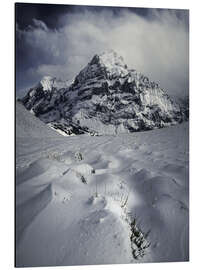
{"x": 84, "y": 200}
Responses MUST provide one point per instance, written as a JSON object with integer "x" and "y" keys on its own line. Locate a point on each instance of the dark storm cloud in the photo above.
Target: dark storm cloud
{"x": 61, "y": 41}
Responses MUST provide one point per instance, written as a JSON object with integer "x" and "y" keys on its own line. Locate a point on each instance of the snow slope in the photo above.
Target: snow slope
{"x": 106, "y": 199}
{"x": 28, "y": 125}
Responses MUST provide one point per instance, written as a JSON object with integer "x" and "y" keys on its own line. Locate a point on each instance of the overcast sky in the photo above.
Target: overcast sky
{"x": 60, "y": 40}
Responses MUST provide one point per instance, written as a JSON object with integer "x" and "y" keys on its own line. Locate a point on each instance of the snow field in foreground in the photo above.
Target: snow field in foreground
{"x": 76, "y": 198}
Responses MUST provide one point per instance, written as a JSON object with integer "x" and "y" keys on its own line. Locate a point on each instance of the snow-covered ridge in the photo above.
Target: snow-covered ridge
{"x": 105, "y": 97}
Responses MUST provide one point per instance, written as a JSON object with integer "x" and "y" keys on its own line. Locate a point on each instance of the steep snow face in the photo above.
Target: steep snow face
{"x": 105, "y": 97}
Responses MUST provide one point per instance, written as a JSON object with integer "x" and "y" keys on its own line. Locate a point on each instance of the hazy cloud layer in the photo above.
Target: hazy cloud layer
{"x": 155, "y": 44}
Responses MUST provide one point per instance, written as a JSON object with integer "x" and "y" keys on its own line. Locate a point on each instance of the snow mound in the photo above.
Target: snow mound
{"x": 84, "y": 168}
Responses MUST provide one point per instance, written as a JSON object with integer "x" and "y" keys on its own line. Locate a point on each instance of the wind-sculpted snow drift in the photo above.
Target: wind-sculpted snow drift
{"x": 106, "y": 97}
{"x": 100, "y": 199}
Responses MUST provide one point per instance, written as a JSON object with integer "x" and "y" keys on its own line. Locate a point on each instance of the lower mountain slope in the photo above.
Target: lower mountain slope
{"x": 28, "y": 125}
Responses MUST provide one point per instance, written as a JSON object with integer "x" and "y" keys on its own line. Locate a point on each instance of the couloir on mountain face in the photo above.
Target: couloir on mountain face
{"x": 106, "y": 97}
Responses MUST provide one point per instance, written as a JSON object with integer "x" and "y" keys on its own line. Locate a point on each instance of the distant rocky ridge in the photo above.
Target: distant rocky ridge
{"x": 104, "y": 98}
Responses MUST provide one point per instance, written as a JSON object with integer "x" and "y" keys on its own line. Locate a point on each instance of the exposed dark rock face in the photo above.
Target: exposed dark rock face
{"x": 105, "y": 97}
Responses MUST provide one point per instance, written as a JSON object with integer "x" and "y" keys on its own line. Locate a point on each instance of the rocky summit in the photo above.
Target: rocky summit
{"x": 106, "y": 97}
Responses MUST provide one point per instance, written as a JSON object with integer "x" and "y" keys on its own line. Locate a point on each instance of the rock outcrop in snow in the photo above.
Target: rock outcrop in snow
{"x": 105, "y": 97}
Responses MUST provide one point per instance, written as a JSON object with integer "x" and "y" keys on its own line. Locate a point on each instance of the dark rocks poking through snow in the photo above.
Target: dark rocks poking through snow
{"x": 104, "y": 98}
{"x": 138, "y": 241}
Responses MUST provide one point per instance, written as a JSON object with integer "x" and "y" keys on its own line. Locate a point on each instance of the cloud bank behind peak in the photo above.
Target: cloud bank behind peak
{"x": 156, "y": 44}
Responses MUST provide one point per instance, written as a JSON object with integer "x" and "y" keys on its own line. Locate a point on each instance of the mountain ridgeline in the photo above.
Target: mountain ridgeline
{"x": 106, "y": 97}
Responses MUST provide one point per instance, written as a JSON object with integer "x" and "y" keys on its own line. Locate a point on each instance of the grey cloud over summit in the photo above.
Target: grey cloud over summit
{"x": 156, "y": 44}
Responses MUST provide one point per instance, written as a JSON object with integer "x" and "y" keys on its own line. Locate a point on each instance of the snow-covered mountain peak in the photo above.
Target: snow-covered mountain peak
{"x": 107, "y": 65}
{"x": 113, "y": 63}
{"x": 110, "y": 59}
{"x": 105, "y": 97}
{"x": 47, "y": 83}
